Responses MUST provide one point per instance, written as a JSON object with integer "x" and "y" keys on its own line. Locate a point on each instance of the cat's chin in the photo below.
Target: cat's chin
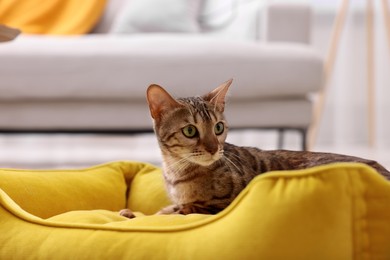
{"x": 205, "y": 162}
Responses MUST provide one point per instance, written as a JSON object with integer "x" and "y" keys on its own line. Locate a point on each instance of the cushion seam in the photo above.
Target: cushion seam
{"x": 359, "y": 219}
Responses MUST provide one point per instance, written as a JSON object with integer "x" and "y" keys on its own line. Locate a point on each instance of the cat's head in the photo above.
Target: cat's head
{"x": 193, "y": 129}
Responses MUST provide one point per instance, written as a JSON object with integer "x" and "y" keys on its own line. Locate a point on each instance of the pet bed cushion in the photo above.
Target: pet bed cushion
{"x": 337, "y": 211}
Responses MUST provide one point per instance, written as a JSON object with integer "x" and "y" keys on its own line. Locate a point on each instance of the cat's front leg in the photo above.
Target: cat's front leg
{"x": 172, "y": 209}
{"x": 186, "y": 209}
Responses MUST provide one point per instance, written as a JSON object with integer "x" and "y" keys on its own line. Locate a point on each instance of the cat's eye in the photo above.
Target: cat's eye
{"x": 219, "y": 128}
{"x": 190, "y": 131}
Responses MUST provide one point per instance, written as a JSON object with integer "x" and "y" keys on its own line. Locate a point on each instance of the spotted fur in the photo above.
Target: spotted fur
{"x": 203, "y": 173}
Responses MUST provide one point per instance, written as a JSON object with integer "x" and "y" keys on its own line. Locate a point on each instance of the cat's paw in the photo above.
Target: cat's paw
{"x": 172, "y": 209}
{"x": 126, "y": 213}
{"x": 179, "y": 209}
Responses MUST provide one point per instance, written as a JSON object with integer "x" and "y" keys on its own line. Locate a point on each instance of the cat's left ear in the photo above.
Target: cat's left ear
{"x": 218, "y": 95}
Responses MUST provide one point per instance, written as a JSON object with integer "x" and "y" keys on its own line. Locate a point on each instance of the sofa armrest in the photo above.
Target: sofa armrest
{"x": 8, "y": 33}
{"x": 289, "y": 22}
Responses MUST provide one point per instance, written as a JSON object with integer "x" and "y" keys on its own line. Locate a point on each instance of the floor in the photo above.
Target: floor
{"x": 78, "y": 151}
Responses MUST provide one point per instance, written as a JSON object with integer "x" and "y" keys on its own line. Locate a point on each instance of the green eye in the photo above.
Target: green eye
{"x": 219, "y": 128}
{"x": 189, "y": 131}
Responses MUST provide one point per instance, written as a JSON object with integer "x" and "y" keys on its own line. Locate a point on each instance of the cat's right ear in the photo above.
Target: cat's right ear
{"x": 159, "y": 101}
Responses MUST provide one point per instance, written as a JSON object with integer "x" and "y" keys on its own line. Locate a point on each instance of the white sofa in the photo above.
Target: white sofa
{"x": 97, "y": 82}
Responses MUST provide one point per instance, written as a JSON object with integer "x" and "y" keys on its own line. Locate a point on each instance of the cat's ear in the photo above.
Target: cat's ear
{"x": 159, "y": 101}
{"x": 218, "y": 95}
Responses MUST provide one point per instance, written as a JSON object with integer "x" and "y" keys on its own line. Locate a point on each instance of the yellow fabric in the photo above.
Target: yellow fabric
{"x": 338, "y": 211}
{"x": 51, "y": 16}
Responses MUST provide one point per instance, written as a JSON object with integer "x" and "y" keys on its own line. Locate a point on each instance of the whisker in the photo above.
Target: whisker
{"x": 171, "y": 164}
{"x": 231, "y": 162}
{"x": 234, "y": 155}
{"x": 175, "y": 165}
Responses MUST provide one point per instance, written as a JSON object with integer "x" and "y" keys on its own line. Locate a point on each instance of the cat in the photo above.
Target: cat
{"x": 202, "y": 172}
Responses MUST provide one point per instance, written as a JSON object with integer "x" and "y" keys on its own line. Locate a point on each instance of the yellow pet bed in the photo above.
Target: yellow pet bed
{"x": 339, "y": 211}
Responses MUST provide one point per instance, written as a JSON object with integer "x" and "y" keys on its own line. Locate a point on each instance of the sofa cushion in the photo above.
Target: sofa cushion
{"x": 111, "y": 11}
{"x": 52, "y": 17}
{"x": 104, "y": 67}
{"x": 135, "y": 115}
{"x": 146, "y": 16}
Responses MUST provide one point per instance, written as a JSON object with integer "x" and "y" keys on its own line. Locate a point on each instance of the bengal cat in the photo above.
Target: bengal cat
{"x": 202, "y": 172}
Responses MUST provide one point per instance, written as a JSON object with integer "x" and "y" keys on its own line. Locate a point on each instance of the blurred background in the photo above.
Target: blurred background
{"x": 343, "y": 126}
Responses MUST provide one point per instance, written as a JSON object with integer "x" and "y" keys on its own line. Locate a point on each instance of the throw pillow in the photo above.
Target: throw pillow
{"x": 158, "y": 16}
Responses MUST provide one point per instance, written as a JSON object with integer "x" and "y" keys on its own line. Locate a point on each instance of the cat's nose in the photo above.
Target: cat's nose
{"x": 211, "y": 148}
